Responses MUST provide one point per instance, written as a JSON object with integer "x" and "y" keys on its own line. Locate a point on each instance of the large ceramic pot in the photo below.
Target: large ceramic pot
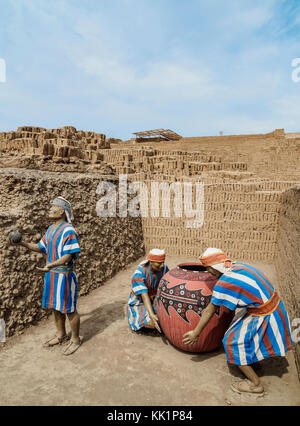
{"x": 182, "y": 295}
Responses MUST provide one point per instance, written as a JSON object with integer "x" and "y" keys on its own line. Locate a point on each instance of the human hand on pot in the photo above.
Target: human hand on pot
{"x": 190, "y": 338}
{"x": 154, "y": 318}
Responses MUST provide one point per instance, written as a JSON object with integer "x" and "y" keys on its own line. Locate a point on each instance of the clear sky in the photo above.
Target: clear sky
{"x": 197, "y": 67}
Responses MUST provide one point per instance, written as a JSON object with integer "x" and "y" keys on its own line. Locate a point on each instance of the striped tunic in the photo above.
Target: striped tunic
{"x": 60, "y": 288}
{"x": 251, "y": 338}
{"x": 142, "y": 282}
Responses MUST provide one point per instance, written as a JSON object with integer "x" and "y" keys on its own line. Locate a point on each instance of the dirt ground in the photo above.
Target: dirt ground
{"x": 115, "y": 367}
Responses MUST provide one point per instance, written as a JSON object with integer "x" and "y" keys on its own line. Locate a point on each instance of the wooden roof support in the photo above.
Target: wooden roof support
{"x": 169, "y": 134}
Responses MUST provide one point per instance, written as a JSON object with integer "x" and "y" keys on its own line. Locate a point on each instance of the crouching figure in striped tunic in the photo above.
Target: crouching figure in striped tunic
{"x": 145, "y": 281}
{"x": 261, "y": 331}
{"x": 60, "y": 245}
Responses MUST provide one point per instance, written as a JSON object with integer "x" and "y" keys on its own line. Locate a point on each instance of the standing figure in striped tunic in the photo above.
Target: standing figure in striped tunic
{"x": 263, "y": 329}
{"x": 60, "y": 245}
{"x": 145, "y": 281}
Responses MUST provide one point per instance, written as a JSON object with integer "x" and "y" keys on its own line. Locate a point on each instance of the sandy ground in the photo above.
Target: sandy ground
{"x": 116, "y": 367}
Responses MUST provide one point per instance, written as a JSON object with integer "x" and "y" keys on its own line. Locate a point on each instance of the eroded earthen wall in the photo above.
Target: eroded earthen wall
{"x": 287, "y": 259}
{"x": 107, "y": 244}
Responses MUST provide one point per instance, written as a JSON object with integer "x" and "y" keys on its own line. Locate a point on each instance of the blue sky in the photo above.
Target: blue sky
{"x": 197, "y": 67}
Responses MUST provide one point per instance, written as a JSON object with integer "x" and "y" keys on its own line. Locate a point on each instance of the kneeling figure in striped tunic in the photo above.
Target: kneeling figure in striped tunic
{"x": 145, "y": 281}
{"x": 263, "y": 329}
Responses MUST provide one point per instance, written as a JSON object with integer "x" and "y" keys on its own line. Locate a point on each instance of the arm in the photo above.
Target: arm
{"x": 30, "y": 246}
{"x": 148, "y": 306}
{"x": 62, "y": 261}
{"x": 191, "y": 337}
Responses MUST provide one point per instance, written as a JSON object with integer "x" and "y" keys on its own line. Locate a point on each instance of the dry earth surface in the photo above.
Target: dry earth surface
{"x": 115, "y": 367}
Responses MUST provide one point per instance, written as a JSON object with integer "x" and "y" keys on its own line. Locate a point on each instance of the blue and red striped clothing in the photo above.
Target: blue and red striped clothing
{"x": 251, "y": 338}
{"x": 60, "y": 288}
{"x": 142, "y": 282}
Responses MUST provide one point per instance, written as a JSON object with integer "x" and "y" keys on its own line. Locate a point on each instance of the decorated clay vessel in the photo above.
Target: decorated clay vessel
{"x": 182, "y": 295}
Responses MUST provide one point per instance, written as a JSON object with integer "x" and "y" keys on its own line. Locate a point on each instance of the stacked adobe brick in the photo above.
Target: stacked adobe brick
{"x": 146, "y": 162}
{"x": 240, "y": 207}
{"x": 240, "y": 218}
{"x": 65, "y": 142}
{"x": 287, "y": 258}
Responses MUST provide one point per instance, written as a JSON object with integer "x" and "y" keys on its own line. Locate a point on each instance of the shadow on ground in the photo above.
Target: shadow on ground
{"x": 277, "y": 366}
{"x": 101, "y": 318}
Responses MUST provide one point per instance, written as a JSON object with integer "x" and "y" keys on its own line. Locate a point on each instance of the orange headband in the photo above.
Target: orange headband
{"x": 213, "y": 259}
{"x": 156, "y": 257}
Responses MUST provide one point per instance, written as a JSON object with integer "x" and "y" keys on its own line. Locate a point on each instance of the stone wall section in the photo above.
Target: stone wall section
{"x": 107, "y": 244}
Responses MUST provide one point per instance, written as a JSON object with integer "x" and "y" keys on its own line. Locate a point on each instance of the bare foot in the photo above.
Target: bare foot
{"x": 245, "y": 386}
{"x": 72, "y": 347}
{"x": 55, "y": 340}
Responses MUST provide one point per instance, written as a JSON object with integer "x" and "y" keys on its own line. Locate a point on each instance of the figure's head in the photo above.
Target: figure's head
{"x": 156, "y": 259}
{"x": 156, "y": 266}
{"x": 57, "y": 213}
{"x": 215, "y": 261}
{"x": 61, "y": 209}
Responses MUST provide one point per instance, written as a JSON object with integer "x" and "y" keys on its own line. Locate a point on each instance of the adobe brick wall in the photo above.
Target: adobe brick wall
{"x": 241, "y": 207}
{"x": 242, "y": 219}
{"x": 287, "y": 258}
{"x": 268, "y": 155}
